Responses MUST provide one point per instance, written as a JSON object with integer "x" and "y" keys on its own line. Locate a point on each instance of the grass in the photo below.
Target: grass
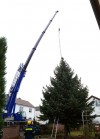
{"x": 80, "y": 133}
{"x": 76, "y": 133}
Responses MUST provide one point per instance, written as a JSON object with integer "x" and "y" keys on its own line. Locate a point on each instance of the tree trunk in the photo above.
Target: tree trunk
{"x": 66, "y": 131}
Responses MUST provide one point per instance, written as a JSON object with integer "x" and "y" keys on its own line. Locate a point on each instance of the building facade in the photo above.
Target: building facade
{"x": 96, "y": 108}
{"x": 37, "y": 114}
{"x": 26, "y": 108}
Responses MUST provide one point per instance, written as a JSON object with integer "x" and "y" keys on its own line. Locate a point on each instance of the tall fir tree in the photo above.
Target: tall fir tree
{"x": 3, "y": 49}
{"x": 65, "y": 98}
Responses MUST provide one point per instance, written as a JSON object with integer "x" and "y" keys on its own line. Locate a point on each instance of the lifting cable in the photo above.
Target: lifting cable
{"x": 59, "y": 42}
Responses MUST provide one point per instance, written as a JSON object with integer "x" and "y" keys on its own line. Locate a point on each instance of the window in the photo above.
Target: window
{"x": 30, "y": 109}
{"x": 97, "y": 102}
{"x": 20, "y": 109}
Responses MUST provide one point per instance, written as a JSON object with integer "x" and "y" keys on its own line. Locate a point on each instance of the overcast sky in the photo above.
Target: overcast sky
{"x": 22, "y": 22}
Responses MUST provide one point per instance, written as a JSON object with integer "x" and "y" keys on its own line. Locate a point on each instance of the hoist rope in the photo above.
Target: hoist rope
{"x": 59, "y": 42}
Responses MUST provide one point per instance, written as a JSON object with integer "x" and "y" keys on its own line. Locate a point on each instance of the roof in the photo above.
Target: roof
{"x": 20, "y": 101}
{"x": 96, "y": 9}
{"x": 93, "y": 97}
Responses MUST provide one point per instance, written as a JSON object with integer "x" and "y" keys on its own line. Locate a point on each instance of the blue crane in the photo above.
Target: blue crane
{"x": 10, "y": 106}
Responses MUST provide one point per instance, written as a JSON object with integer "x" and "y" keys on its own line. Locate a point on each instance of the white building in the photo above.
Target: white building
{"x": 29, "y": 111}
{"x": 37, "y": 114}
{"x": 96, "y": 108}
{"x": 26, "y": 107}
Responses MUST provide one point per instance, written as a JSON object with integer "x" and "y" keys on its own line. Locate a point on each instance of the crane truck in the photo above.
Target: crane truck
{"x": 20, "y": 74}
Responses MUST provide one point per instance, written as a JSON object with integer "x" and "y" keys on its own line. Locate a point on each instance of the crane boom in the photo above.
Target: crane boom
{"x": 36, "y": 44}
{"x": 10, "y": 106}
